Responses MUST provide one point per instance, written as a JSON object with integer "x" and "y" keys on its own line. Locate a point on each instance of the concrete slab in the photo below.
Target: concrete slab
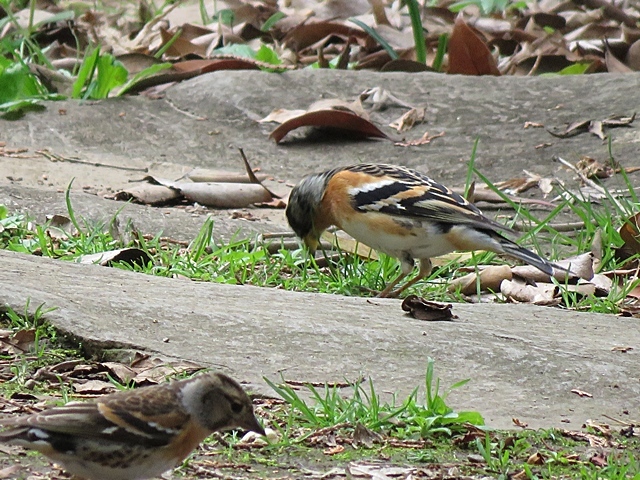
{"x": 523, "y": 361}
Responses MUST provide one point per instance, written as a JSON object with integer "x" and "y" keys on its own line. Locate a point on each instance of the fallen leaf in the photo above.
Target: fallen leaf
{"x": 468, "y": 53}
{"x": 94, "y": 387}
{"x": 148, "y": 194}
{"x": 581, "y": 393}
{"x": 338, "y": 118}
{"x": 489, "y": 279}
{"x": 60, "y": 227}
{"x": 622, "y": 349}
{"x": 281, "y": 115}
{"x": 221, "y": 176}
{"x": 593, "y": 126}
{"x": 362, "y": 436}
{"x": 519, "y": 423}
{"x": 421, "y": 309}
{"x": 598, "y": 460}
{"x": 10, "y": 471}
{"x": 224, "y": 195}
{"x": 519, "y": 291}
{"x": 535, "y": 459}
{"x": 424, "y": 140}
{"x": 408, "y": 120}
{"x": 334, "y": 450}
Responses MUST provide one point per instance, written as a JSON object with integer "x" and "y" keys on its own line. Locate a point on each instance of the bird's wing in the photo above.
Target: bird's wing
{"x": 150, "y": 417}
{"x": 406, "y": 193}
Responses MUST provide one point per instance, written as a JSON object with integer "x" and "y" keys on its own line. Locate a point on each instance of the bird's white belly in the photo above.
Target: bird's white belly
{"x": 424, "y": 241}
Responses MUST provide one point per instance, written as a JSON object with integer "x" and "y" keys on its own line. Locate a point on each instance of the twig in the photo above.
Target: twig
{"x": 59, "y": 158}
{"x": 558, "y": 227}
{"x": 589, "y": 182}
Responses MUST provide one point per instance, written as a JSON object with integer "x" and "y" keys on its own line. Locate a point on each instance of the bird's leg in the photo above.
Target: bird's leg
{"x": 387, "y": 292}
{"x": 425, "y": 271}
{"x": 407, "y": 264}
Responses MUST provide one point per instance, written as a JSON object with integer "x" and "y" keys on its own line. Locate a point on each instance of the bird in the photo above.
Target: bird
{"x": 400, "y": 212}
{"x": 135, "y": 434}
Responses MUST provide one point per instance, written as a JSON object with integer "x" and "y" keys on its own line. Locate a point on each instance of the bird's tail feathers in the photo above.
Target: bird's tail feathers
{"x": 529, "y": 257}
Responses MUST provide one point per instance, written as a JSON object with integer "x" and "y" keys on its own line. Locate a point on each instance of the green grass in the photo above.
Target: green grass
{"x": 46, "y": 349}
{"x": 272, "y": 264}
{"x": 410, "y": 419}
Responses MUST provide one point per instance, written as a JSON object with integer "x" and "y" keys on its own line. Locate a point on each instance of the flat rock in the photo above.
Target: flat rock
{"x": 202, "y": 122}
{"x": 523, "y": 361}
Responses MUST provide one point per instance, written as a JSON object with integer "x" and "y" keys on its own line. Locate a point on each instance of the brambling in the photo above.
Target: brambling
{"x": 400, "y": 212}
{"x": 135, "y": 434}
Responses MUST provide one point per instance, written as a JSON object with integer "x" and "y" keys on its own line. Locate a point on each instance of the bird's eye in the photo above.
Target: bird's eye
{"x": 236, "y": 407}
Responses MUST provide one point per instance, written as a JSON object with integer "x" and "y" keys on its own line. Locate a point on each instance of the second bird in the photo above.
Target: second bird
{"x": 400, "y": 212}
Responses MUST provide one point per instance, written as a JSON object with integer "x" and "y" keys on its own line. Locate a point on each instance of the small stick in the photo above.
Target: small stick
{"x": 588, "y": 181}
{"x": 59, "y": 158}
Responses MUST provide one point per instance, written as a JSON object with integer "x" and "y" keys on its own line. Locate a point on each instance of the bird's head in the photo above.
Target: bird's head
{"x": 217, "y": 402}
{"x": 302, "y": 209}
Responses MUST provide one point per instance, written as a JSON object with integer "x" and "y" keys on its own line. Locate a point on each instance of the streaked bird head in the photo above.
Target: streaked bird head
{"x": 303, "y": 204}
{"x": 218, "y": 402}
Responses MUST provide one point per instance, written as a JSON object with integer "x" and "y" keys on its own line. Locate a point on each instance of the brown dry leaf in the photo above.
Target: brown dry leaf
{"x": 181, "y": 46}
{"x": 152, "y": 370}
{"x": 10, "y": 471}
{"x": 613, "y": 64}
{"x": 633, "y": 56}
{"x": 380, "y": 99}
{"x": 618, "y": 121}
{"x": 198, "y": 67}
{"x": 332, "y": 114}
{"x": 224, "y": 195}
{"x": 536, "y": 459}
{"x": 422, "y": 309}
{"x": 281, "y": 115}
{"x": 148, "y": 193}
{"x": 408, "y": 120}
{"x": 602, "y": 428}
{"x": 131, "y": 256}
{"x": 581, "y": 393}
{"x": 362, "y": 436}
{"x": 424, "y": 140}
{"x": 307, "y": 34}
{"x": 468, "y": 53}
{"x": 540, "y": 294}
{"x": 521, "y": 475}
{"x": 490, "y": 279}
{"x": 593, "y": 126}
{"x": 97, "y": 387}
{"x": 221, "y": 176}
{"x": 60, "y": 227}
{"x": 630, "y": 234}
{"x": 405, "y": 65}
{"x": 120, "y": 371}
{"x": 621, "y": 349}
{"x": 19, "y": 342}
{"x": 471, "y": 435}
{"x": 519, "y": 423}
{"x": 334, "y": 450}
{"x": 515, "y": 186}
{"x": 599, "y": 460}
{"x": 580, "y": 266}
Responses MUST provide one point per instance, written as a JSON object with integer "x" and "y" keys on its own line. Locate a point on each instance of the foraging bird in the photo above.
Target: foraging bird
{"x": 135, "y": 434}
{"x": 400, "y": 212}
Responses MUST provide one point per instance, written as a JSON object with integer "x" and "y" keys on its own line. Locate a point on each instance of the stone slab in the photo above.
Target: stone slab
{"x": 523, "y": 360}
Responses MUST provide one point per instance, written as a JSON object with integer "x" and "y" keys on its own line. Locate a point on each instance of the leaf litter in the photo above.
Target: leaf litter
{"x": 587, "y": 36}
